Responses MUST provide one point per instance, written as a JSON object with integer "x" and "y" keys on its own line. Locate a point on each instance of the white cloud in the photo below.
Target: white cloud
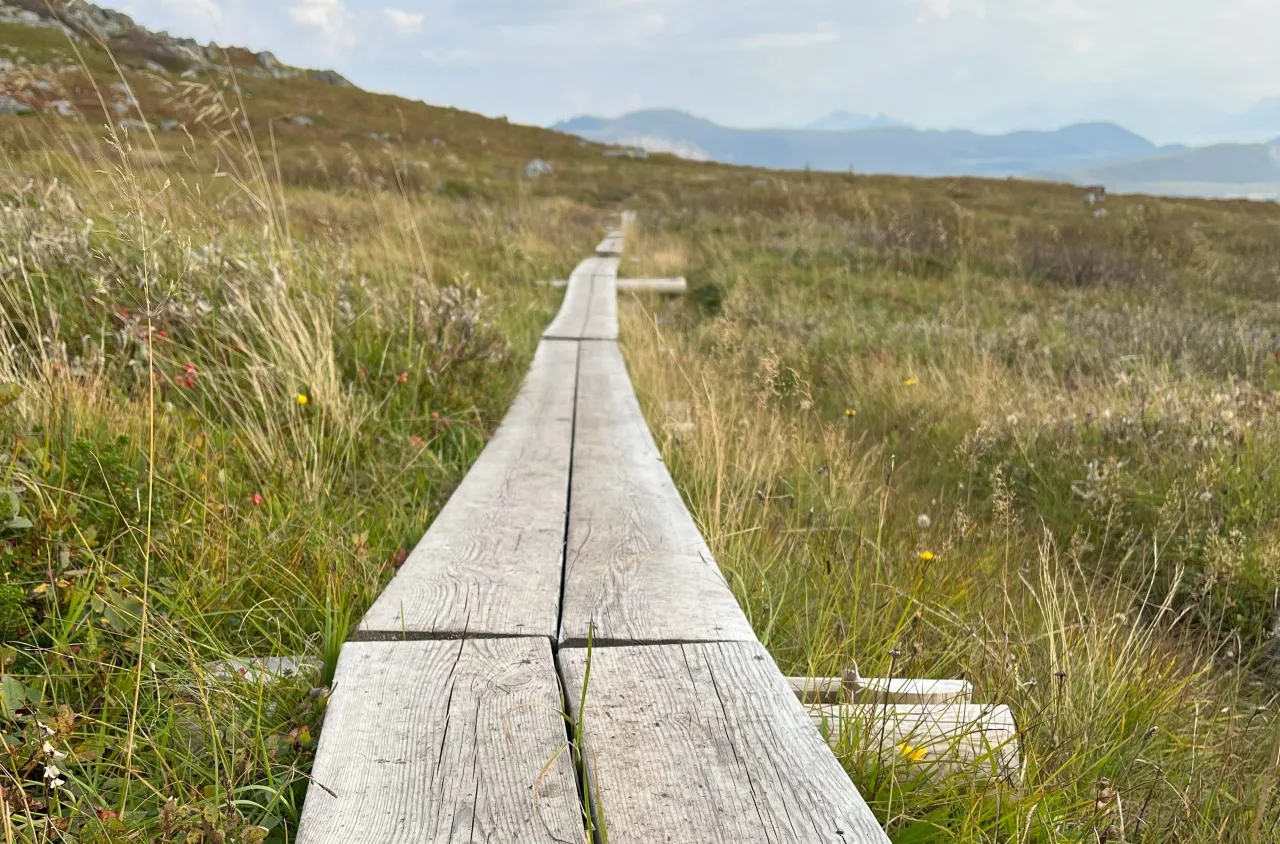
{"x": 197, "y": 11}
{"x": 331, "y": 17}
{"x": 773, "y": 40}
{"x": 406, "y": 23}
{"x": 944, "y": 9}
{"x": 457, "y": 57}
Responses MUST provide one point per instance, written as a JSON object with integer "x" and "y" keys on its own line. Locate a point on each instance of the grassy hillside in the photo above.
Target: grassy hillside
{"x": 942, "y": 427}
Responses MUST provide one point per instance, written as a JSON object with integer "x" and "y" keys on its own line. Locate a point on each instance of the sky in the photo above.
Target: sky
{"x": 1173, "y": 70}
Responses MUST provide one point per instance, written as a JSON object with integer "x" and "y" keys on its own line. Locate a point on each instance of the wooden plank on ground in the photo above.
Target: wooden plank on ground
{"x": 636, "y": 565}
{"x": 906, "y": 690}
{"x": 975, "y": 740}
{"x": 443, "y": 741}
{"x": 817, "y": 689}
{"x": 707, "y": 743}
{"x": 855, "y": 689}
{"x": 590, "y": 307}
{"x": 612, "y": 243}
{"x": 491, "y": 563}
{"x": 670, "y": 286}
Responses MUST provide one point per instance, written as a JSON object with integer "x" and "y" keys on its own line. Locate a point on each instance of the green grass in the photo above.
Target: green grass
{"x": 924, "y": 443}
{"x": 943, "y": 428}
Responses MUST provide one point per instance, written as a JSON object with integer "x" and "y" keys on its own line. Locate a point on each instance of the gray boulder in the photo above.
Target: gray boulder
{"x": 536, "y": 168}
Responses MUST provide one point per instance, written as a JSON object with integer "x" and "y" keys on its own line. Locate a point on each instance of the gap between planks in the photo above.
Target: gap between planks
{"x": 375, "y": 638}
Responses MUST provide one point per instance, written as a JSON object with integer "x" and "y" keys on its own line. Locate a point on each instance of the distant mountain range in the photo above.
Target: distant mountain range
{"x": 848, "y": 121}
{"x": 1102, "y": 153}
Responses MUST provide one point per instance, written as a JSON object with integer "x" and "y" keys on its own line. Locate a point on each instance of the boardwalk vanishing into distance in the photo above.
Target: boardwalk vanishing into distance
{"x": 565, "y": 585}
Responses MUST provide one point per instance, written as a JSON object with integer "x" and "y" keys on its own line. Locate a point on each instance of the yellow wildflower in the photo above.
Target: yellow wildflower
{"x": 849, "y": 412}
{"x": 301, "y": 398}
{"x": 912, "y": 754}
{"x": 928, "y": 556}
{"x": 910, "y": 382}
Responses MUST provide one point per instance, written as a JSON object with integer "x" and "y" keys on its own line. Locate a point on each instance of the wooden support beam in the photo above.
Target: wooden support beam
{"x": 670, "y": 286}
{"x": 443, "y": 741}
{"x": 855, "y": 689}
{"x": 817, "y": 689}
{"x": 972, "y": 740}
{"x": 906, "y": 690}
{"x": 706, "y": 743}
{"x": 491, "y": 562}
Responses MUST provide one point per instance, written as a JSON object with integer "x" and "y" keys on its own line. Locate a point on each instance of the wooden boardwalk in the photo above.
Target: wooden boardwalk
{"x": 454, "y": 708}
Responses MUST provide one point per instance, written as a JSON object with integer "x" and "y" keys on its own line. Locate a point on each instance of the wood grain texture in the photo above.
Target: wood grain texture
{"x": 636, "y": 564}
{"x": 976, "y": 740}
{"x": 590, "y": 307}
{"x": 707, "y": 743}
{"x": 817, "y": 689}
{"x": 443, "y": 741}
{"x": 491, "y": 563}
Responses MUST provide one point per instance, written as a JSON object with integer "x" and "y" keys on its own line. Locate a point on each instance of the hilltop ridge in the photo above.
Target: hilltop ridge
{"x": 135, "y": 44}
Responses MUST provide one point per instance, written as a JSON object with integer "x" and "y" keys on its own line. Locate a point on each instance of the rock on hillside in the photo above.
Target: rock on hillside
{"x": 80, "y": 19}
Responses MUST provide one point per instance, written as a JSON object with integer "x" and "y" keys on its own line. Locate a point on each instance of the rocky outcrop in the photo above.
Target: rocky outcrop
{"x": 331, "y": 77}
{"x": 159, "y": 51}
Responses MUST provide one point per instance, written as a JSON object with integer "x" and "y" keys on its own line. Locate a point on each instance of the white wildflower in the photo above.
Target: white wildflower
{"x": 923, "y": 521}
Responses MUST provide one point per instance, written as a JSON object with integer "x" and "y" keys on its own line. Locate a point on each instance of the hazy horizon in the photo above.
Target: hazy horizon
{"x": 986, "y": 65}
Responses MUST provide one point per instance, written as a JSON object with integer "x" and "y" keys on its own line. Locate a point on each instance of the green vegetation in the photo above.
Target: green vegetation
{"x": 966, "y": 429}
{"x": 942, "y": 428}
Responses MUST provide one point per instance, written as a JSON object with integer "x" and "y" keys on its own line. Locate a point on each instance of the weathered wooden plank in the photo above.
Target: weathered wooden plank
{"x": 590, "y": 307}
{"x": 817, "y": 689}
{"x": 491, "y": 563}
{"x": 669, "y": 286}
{"x": 612, "y": 243}
{"x": 975, "y": 740}
{"x": 636, "y": 565}
{"x": 906, "y": 690}
{"x": 443, "y": 741}
{"x": 707, "y": 743}
{"x": 638, "y": 285}
{"x": 855, "y": 689}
